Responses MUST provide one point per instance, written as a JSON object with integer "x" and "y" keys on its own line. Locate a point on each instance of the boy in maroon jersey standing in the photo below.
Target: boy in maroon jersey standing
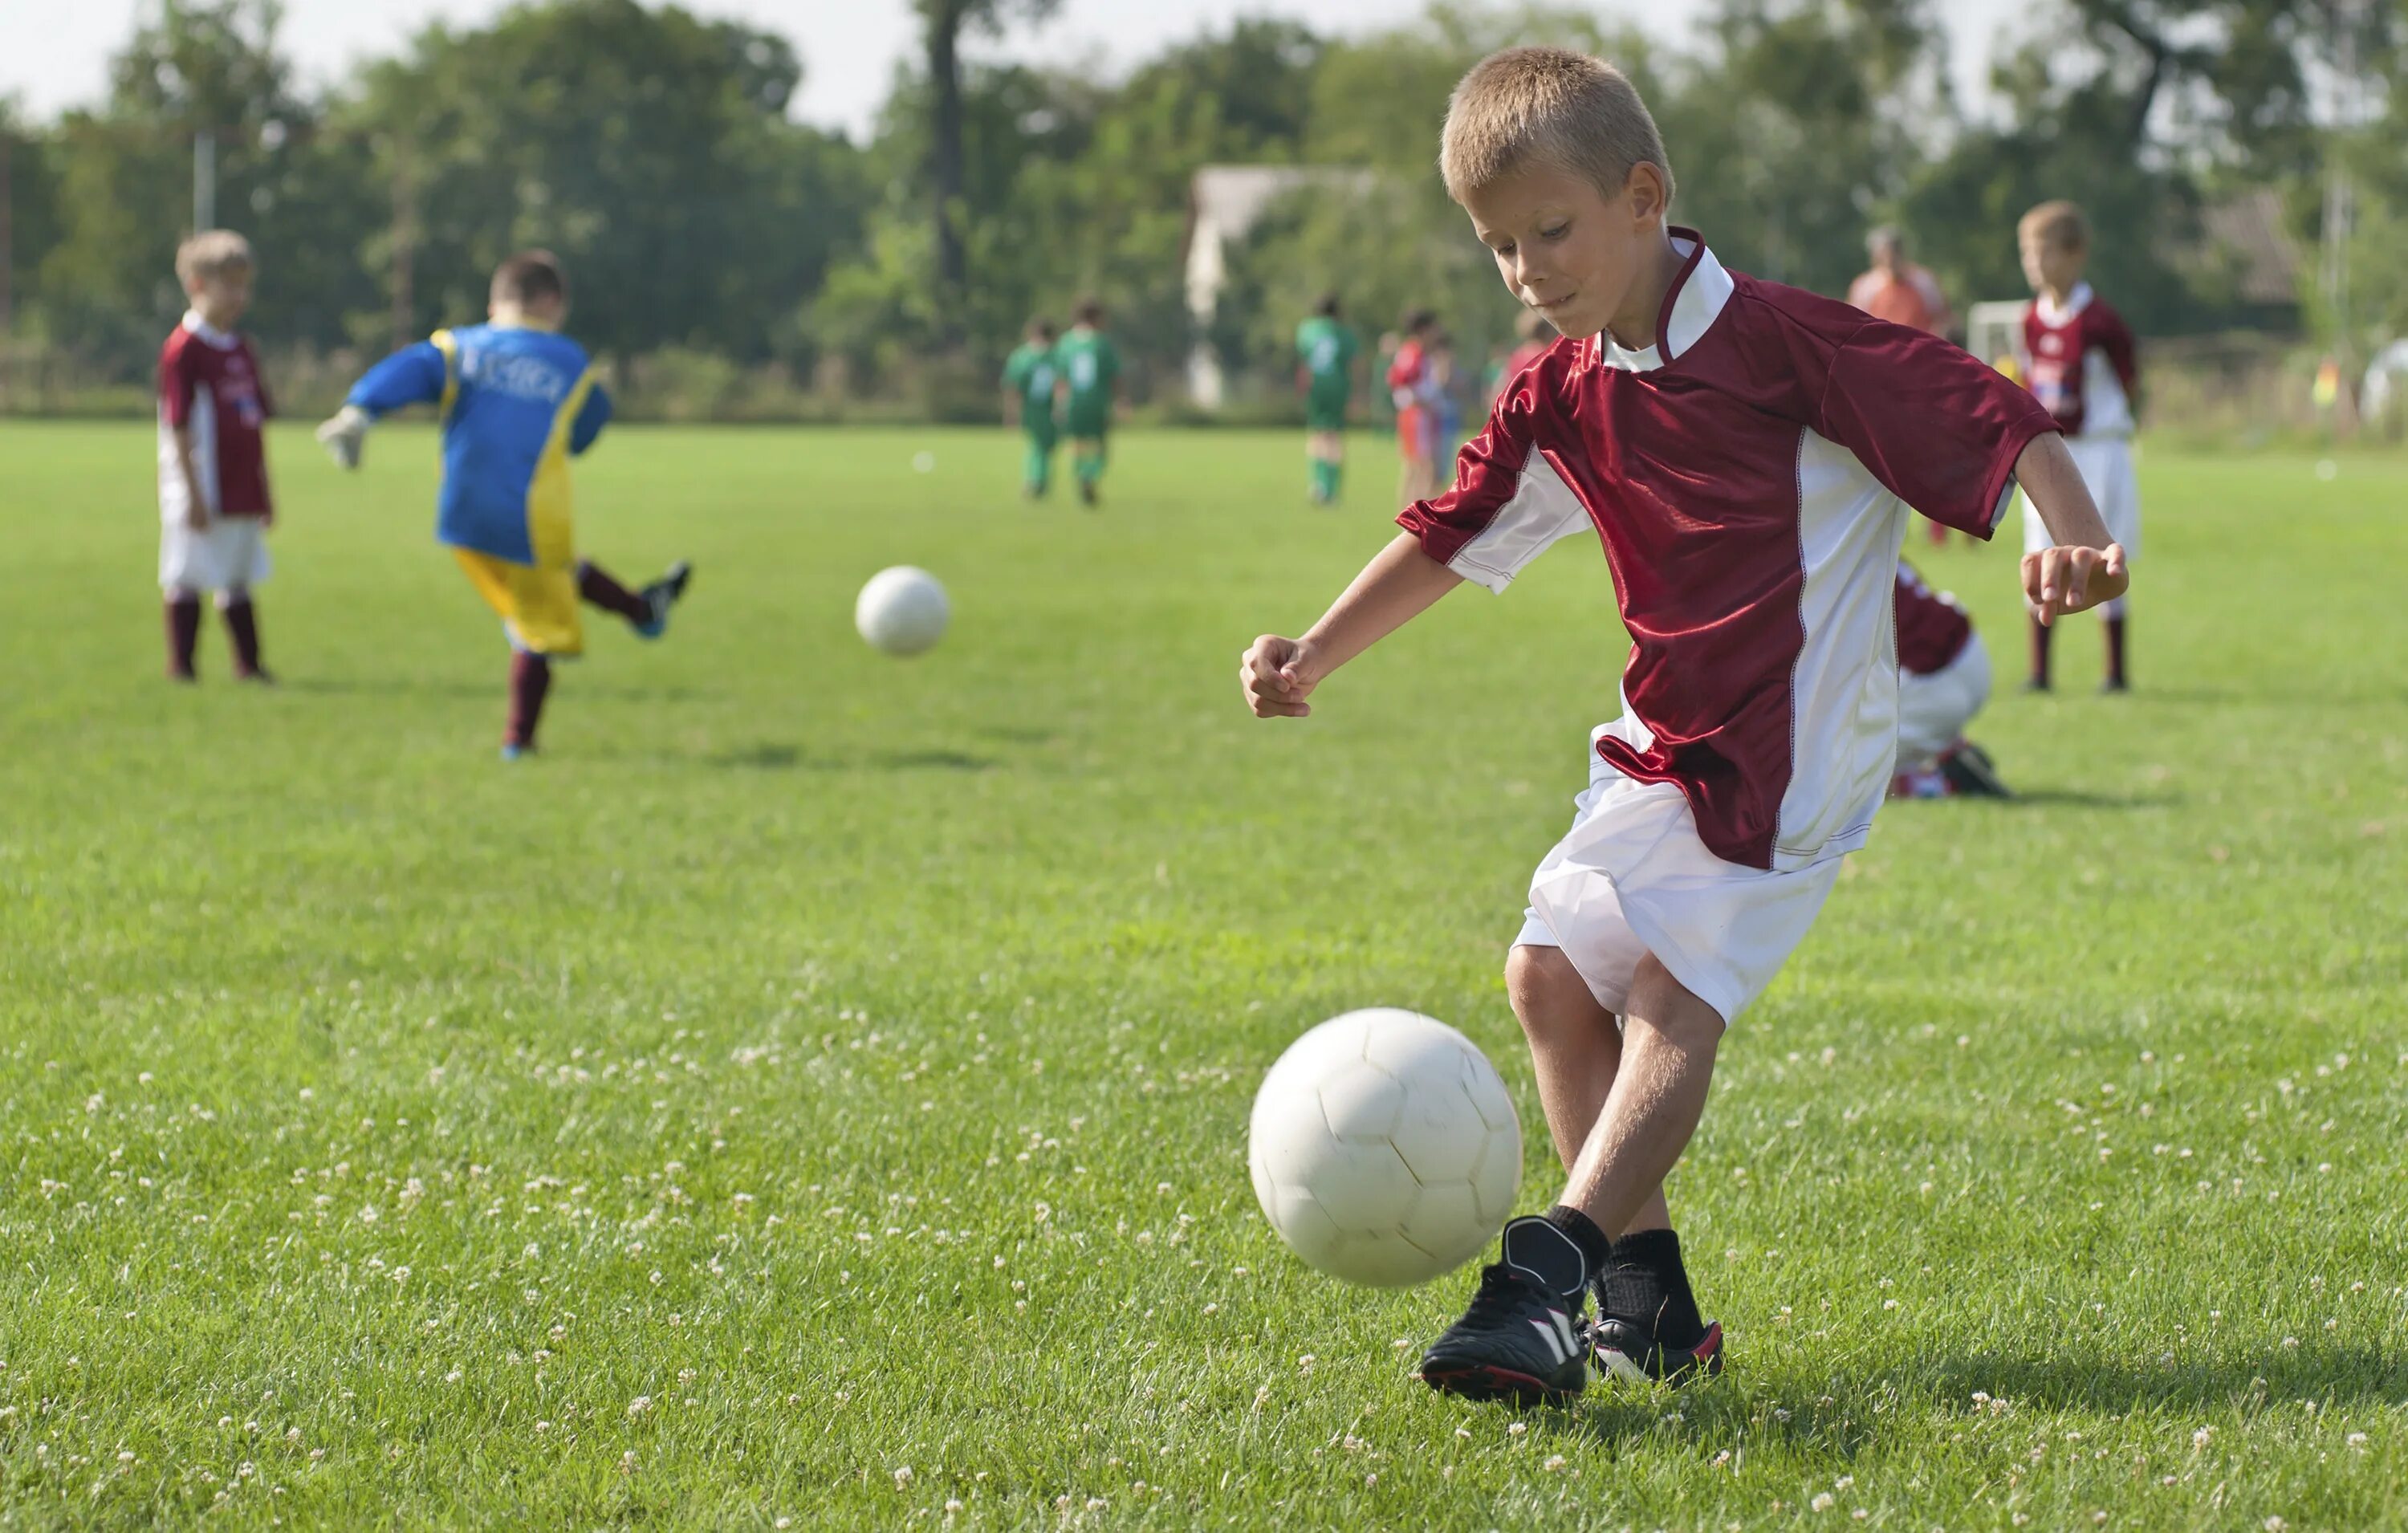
{"x": 2081, "y": 363}
{"x": 213, "y": 506}
{"x": 1746, "y": 453}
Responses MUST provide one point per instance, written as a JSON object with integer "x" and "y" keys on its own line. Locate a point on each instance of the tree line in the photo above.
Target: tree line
{"x": 652, "y": 148}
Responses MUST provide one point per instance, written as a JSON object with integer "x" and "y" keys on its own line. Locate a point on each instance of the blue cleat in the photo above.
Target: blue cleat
{"x": 517, "y": 752}
{"x": 661, "y": 595}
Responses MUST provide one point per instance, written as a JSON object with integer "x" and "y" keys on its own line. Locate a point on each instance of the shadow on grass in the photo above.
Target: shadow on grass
{"x": 2084, "y": 799}
{"x": 375, "y": 687}
{"x": 1850, "y": 1417}
{"x": 790, "y": 758}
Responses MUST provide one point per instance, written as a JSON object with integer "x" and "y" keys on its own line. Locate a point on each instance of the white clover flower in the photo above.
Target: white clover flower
{"x": 1823, "y": 1501}
{"x": 1555, "y": 1462}
{"x": 639, "y": 1406}
{"x": 903, "y": 1477}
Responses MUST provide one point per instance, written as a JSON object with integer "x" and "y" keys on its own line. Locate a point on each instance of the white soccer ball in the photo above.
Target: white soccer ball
{"x": 1384, "y": 1148}
{"x": 902, "y": 611}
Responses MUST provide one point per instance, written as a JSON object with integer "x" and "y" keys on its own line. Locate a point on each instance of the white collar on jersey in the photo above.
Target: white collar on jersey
{"x": 222, "y": 339}
{"x": 1692, "y": 304}
{"x": 2075, "y": 302}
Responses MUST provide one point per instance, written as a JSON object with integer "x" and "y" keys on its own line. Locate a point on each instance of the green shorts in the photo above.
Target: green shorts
{"x": 1086, "y": 423}
{"x": 1325, "y": 411}
{"x": 1040, "y": 431}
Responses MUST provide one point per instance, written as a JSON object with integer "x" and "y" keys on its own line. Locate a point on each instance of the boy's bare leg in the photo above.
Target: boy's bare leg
{"x": 1669, "y": 1042}
{"x": 1575, "y": 1052}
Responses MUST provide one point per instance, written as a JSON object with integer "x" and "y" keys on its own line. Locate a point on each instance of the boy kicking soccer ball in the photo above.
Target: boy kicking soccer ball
{"x": 213, "y": 506}
{"x": 2081, "y": 363}
{"x": 1746, "y": 452}
{"x": 517, "y": 400}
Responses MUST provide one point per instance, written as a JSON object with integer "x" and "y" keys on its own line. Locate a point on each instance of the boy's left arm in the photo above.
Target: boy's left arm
{"x": 1952, "y": 438}
{"x": 2085, "y": 567}
{"x": 590, "y": 418}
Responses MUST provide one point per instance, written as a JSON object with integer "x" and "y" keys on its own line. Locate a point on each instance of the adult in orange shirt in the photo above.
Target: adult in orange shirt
{"x": 1896, "y": 290}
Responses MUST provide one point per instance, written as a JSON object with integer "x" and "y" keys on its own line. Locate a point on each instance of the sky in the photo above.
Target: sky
{"x": 53, "y": 53}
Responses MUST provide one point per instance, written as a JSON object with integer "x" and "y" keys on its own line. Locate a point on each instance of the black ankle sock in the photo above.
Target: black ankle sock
{"x": 1596, "y": 1249}
{"x": 1645, "y": 1283}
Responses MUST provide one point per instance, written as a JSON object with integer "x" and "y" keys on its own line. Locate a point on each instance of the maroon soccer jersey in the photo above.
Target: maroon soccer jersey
{"x": 210, "y": 381}
{"x": 2082, "y": 363}
{"x": 1749, "y": 476}
{"x": 1931, "y": 628}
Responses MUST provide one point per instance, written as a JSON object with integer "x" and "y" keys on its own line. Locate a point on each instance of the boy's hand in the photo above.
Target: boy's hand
{"x": 1277, "y": 675}
{"x": 197, "y": 505}
{"x": 342, "y": 436}
{"x": 2057, "y": 580}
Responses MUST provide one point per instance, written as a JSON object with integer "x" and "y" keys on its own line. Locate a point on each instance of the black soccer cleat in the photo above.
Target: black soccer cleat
{"x": 1630, "y": 1350}
{"x": 662, "y": 594}
{"x": 1520, "y": 1340}
{"x": 1972, "y": 774}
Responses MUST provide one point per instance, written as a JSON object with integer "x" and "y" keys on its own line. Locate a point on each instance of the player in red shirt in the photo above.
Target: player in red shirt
{"x": 214, "y": 510}
{"x": 1533, "y": 337}
{"x": 1943, "y": 679}
{"x": 2081, "y": 363}
{"x": 1746, "y": 453}
{"x": 1413, "y": 387}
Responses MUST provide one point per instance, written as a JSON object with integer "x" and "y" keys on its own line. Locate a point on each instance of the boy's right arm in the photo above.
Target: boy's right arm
{"x": 197, "y": 505}
{"x": 1399, "y": 583}
{"x": 415, "y": 375}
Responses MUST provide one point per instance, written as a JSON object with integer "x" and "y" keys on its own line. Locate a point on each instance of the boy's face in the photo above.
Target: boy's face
{"x": 1566, "y": 248}
{"x": 2050, "y": 265}
{"x": 220, "y": 298}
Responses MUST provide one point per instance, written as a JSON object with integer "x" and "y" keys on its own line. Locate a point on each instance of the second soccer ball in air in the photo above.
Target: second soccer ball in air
{"x": 902, "y": 611}
{"x": 1384, "y": 1148}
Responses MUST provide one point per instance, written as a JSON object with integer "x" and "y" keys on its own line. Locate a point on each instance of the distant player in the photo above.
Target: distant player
{"x": 516, "y": 400}
{"x": 1533, "y": 336}
{"x": 214, "y": 511}
{"x": 1325, "y": 375}
{"x": 1746, "y": 453}
{"x": 1448, "y": 384}
{"x": 1896, "y": 289}
{"x": 2081, "y": 363}
{"x": 1411, "y": 386}
{"x": 1943, "y": 679}
{"x": 1091, "y": 365}
{"x": 1030, "y": 378}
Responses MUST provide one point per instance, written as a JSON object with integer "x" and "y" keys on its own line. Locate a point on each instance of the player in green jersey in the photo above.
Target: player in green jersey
{"x": 1031, "y": 376}
{"x": 1089, "y": 363}
{"x": 1324, "y": 355}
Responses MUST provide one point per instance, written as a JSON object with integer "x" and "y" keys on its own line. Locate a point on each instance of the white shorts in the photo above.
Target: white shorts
{"x": 2107, "y": 472}
{"x": 1631, "y": 877}
{"x": 231, "y": 555}
{"x": 1934, "y": 709}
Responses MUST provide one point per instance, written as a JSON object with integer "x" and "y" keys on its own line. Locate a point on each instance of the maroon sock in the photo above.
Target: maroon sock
{"x": 2040, "y": 633}
{"x": 2115, "y": 653}
{"x": 183, "y": 633}
{"x": 596, "y": 585}
{"x": 530, "y": 678}
{"x": 242, "y": 625}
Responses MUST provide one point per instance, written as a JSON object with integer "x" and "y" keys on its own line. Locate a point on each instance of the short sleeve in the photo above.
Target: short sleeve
{"x": 1509, "y": 504}
{"x": 1937, "y": 428}
{"x": 2114, "y": 338}
{"x": 178, "y": 379}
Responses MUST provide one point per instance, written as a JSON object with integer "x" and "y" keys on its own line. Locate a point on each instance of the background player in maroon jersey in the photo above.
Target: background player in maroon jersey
{"x": 213, "y": 506}
{"x": 2081, "y": 363}
{"x": 1943, "y": 679}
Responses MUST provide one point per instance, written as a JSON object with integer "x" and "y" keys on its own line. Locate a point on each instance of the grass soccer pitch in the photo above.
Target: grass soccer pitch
{"x": 815, "y": 1089}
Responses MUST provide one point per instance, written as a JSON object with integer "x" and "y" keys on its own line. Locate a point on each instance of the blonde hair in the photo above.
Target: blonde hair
{"x": 2059, "y": 223}
{"x": 1550, "y": 106}
{"x": 212, "y": 253}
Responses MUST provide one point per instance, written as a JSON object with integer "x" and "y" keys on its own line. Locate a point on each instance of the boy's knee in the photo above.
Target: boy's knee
{"x": 1671, "y": 1008}
{"x": 1544, "y": 984}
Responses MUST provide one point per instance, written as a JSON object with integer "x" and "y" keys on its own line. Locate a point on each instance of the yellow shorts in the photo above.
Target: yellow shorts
{"x": 537, "y": 607}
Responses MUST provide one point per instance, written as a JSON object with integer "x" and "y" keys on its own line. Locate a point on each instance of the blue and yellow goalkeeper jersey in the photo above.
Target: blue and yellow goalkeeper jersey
{"x": 515, "y": 405}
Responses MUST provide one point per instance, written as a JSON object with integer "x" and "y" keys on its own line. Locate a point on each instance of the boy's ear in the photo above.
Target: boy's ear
{"x": 1644, "y": 187}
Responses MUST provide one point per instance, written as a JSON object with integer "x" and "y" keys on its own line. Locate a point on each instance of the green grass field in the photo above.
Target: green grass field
{"x": 816, "y": 1088}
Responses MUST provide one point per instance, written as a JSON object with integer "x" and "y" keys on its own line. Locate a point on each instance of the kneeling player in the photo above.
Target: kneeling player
{"x": 517, "y": 400}
{"x": 1943, "y": 679}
